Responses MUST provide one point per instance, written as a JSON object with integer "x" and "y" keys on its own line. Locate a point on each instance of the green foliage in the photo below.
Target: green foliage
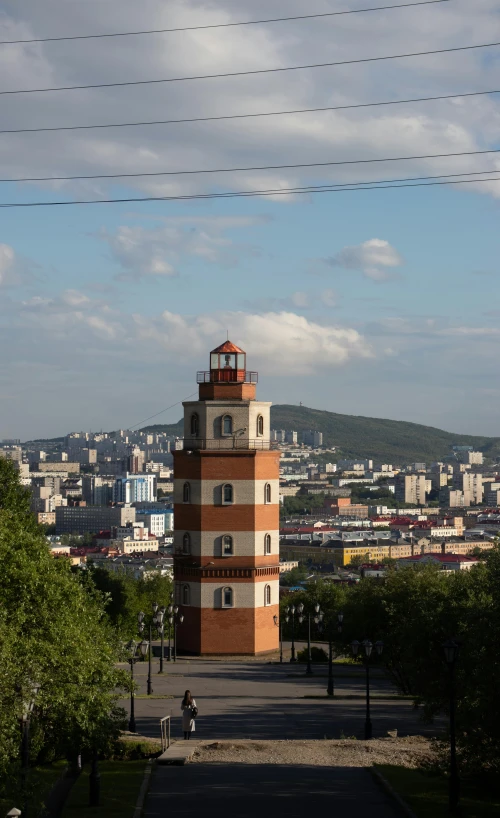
{"x": 293, "y": 577}
{"x": 318, "y": 655}
{"x": 53, "y": 632}
{"x": 302, "y": 504}
{"x": 390, "y": 441}
{"x": 126, "y": 596}
{"x": 414, "y": 611}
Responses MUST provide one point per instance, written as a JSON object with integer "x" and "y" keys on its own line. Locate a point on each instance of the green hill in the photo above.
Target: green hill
{"x": 386, "y": 441}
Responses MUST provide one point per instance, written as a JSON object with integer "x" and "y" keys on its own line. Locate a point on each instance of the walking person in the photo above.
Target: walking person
{"x": 189, "y": 713}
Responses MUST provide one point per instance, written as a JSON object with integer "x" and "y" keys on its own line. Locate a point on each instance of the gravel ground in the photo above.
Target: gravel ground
{"x": 405, "y": 752}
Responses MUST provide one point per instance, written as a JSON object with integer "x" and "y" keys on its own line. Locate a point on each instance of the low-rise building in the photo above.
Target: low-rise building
{"x": 91, "y": 519}
{"x": 447, "y": 562}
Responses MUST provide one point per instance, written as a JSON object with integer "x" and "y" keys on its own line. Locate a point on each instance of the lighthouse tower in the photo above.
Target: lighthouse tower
{"x": 226, "y": 495}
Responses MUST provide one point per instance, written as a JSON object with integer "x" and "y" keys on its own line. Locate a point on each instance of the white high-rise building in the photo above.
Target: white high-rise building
{"x": 135, "y": 488}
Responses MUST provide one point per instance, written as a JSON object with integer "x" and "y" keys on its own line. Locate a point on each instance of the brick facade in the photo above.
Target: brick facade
{"x": 226, "y": 512}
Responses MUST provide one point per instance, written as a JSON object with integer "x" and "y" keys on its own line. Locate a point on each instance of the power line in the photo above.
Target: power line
{"x": 247, "y": 116}
{"x": 244, "y": 169}
{"x": 249, "y": 73}
{"x": 219, "y": 25}
{"x": 162, "y": 411}
{"x": 333, "y": 188}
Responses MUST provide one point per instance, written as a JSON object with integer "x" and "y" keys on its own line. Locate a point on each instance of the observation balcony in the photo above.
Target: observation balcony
{"x": 227, "y": 443}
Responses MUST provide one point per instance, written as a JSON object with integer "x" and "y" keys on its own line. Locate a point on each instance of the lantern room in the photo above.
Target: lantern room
{"x": 227, "y": 368}
{"x": 228, "y": 364}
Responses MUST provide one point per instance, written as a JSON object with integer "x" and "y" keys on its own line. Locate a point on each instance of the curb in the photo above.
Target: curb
{"x": 144, "y": 790}
{"x": 389, "y": 789}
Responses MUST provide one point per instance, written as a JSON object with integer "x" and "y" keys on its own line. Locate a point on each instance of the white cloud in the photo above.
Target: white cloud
{"x": 329, "y": 298}
{"x": 7, "y": 257}
{"x": 279, "y": 343}
{"x": 375, "y": 258}
{"x": 160, "y": 250}
{"x": 364, "y": 133}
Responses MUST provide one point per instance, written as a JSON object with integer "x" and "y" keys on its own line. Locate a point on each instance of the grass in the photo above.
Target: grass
{"x": 145, "y": 696}
{"x": 427, "y": 794}
{"x": 120, "y": 785}
{"x": 40, "y": 782}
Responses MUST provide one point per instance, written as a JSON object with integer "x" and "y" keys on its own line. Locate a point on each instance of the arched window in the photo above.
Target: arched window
{"x": 186, "y": 595}
{"x": 227, "y": 597}
{"x": 227, "y": 545}
{"x": 267, "y": 595}
{"x": 227, "y": 494}
{"x": 267, "y": 493}
{"x": 227, "y": 425}
{"x": 267, "y": 544}
{"x": 186, "y": 543}
{"x": 260, "y": 426}
{"x": 195, "y": 425}
{"x": 186, "y": 493}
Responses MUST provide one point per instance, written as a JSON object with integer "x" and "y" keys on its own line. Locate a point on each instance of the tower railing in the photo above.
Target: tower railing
{"x": 227, "y": 443}
{"x": 227, "y": 376}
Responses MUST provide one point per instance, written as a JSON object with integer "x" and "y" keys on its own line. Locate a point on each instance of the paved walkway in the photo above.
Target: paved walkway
{"x": 246, "y": 791}
{"x": 270, "y": 701}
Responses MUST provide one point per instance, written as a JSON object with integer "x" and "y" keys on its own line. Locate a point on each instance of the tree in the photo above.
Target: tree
{"x": 53, "y": 632}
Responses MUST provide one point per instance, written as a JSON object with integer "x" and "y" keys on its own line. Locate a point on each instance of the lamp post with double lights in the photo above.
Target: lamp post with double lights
{"x": 277, "y": 622}
{"x": 135, "y": 651}
{"x": 328, "y": 626}
{"x": 367, "y": 647}
{"x": 157, "y": 621}
{"x": 290, "y": 615}
{"x": 317, "y": 619}
{"x": 450, "y": 649}
{"x": 175, "y": 618}
{"x": 28, "y": 704}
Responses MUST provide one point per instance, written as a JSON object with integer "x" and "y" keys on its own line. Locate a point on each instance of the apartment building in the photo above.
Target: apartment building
{"x": 91, "y": 519}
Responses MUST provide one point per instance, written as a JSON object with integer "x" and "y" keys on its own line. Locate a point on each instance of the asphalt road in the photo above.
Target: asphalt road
{"x": 246, "y": 790}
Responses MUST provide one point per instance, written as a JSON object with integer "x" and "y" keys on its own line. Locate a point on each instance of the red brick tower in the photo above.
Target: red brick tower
{"x": 226, "y": 514}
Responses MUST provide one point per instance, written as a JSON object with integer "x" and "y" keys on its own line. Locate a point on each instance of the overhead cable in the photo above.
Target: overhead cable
{"x": 333, "y": 188}
{"x": 245, "y": 116}
{"x": 245, "y": 169}
{"x": 219, "y": 25}
{"x": 253, "y": 72}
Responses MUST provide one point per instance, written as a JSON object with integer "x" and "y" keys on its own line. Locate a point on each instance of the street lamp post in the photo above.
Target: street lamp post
{"x": 290, "y": 614}
{"x": 368, "y": 650}
{"x": 277, "y": 622}
{"x": 450, "y": 649}
{"x": 175, "y": 618}
{"x": 329, "y": 627}
{"x": 132, "y": 658}
{"x": 28, "y": 705}
{"x": 317, "y": 619}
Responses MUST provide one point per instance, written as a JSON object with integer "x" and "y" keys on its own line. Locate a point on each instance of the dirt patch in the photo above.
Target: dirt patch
{"x": 411, "y": 751}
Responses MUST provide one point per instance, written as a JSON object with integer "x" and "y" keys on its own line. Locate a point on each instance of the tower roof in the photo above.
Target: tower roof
{"x": 227, "y": 346}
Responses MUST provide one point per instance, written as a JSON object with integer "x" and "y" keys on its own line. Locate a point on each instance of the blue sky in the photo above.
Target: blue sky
{"x": 381, "y": 303}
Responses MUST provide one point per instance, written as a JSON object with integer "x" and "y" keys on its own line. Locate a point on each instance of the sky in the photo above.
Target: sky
{"x": 381, "y": 303}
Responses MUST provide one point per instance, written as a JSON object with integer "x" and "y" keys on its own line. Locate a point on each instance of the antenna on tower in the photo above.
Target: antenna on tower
{"x": 227, "y": 335}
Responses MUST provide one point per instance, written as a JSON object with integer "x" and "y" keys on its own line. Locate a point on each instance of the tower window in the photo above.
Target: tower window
{"x": 186, "y": 543}
{"x": 186, "y": 493}
{"x": 267, "y": 544}
{"x": 227, "y": 597}
{"x": 227, "y": 545}
{"x": 267, "y": 493}
{"x": 260, "y": 426}
{"x": 195, "y": 425}
{"x": 227, "y": 425}
{"x": 267, "y": 595}
{"x": 186, "y": 595}
{"x": 227, "y": 494}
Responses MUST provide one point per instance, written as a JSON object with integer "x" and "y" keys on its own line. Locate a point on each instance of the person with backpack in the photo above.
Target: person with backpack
{"x": 189, "y": 713}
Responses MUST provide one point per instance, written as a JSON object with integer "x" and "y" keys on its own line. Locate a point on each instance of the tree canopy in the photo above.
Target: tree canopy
{"x": 54, "y": 633}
